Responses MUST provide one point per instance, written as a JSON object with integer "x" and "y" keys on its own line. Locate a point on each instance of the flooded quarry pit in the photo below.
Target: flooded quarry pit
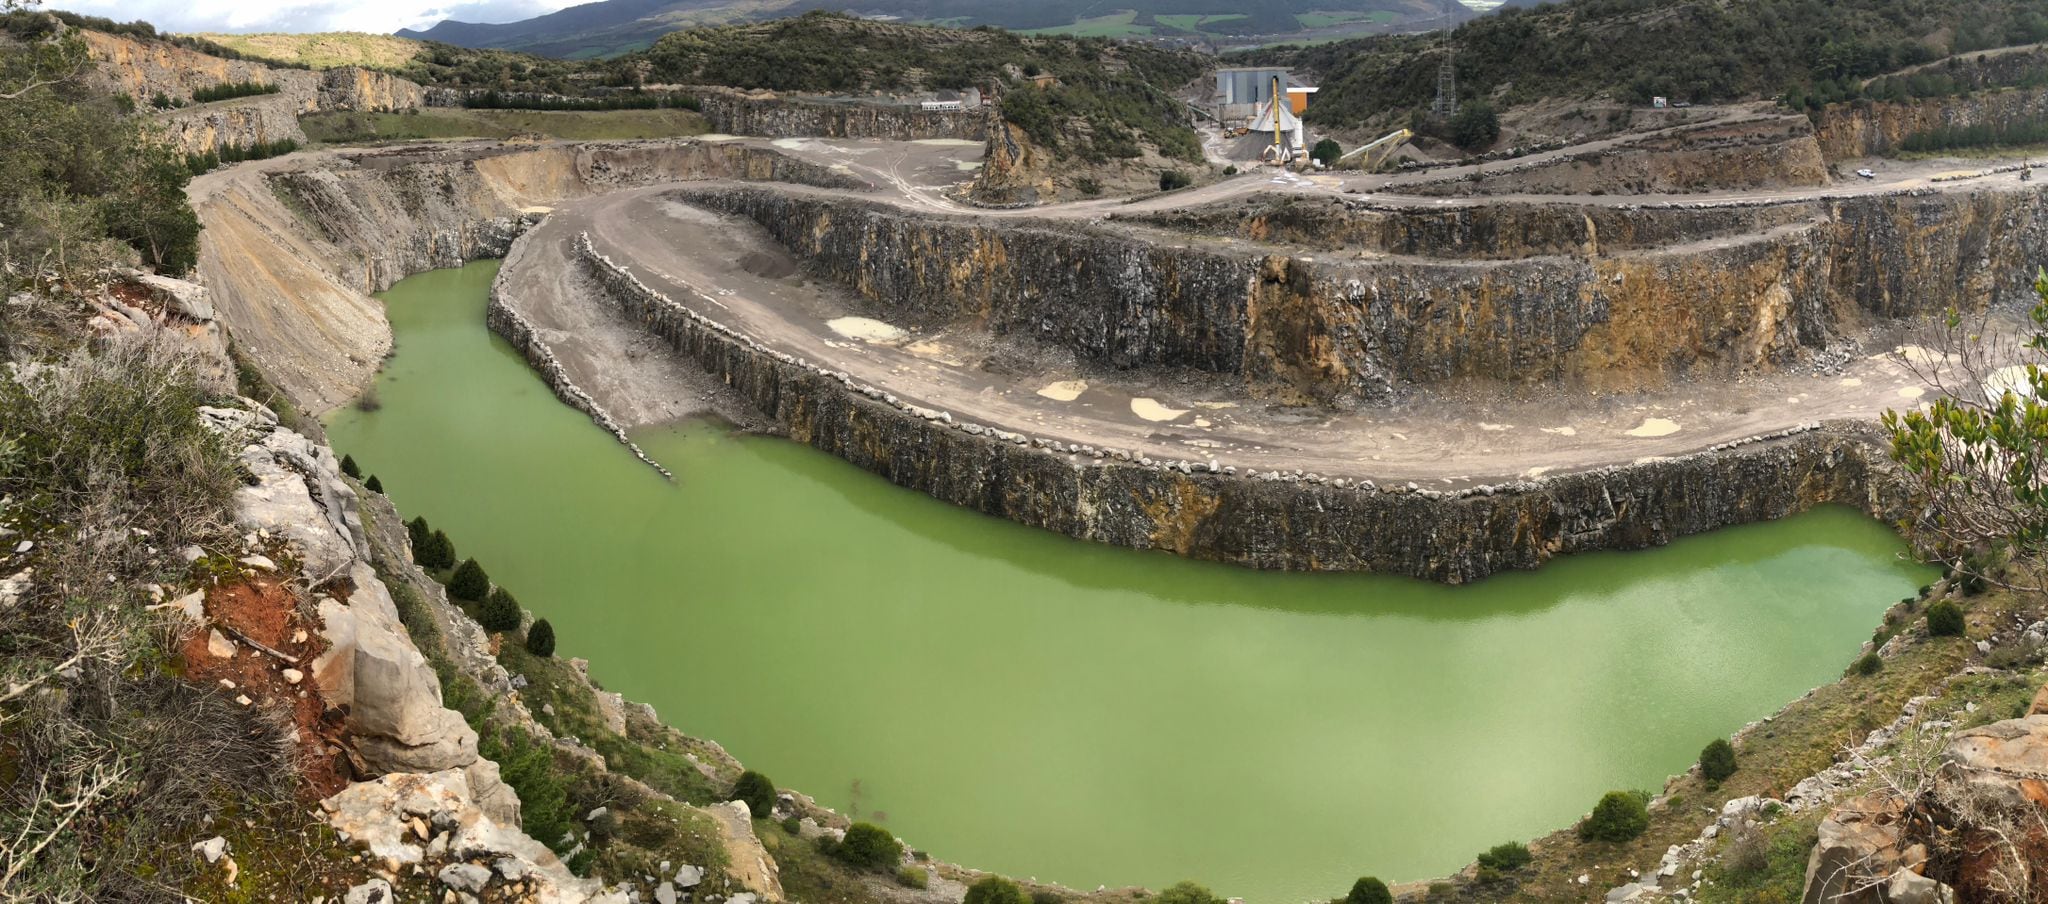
{"x": 1016, "y": 700}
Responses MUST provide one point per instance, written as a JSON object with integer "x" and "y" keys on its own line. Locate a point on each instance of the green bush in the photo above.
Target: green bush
{"x": 1044, "y": 896}
{"x": 1620, "y": 816}
{"x": 1476, "y": 127}
{"x": 1369, "y": 890}
{"x": 1326, "y": 151}
{"x": 994, "y": 890}
{"x": 1188, "y": 893}
{"x": 469, "y": 582}
{"x": 544, "y": 810}
{"x": 794, "y": 825}
{"x": 1717, "y": 760}
{"x": 540, "y": 639}
{"x": 374, "y": 485}
{"x": 1945, "y": 619}
{"x": 913, "y": 877}
{"x": 1510, "y": 855}
{"x": 1868, "y": 664}
{"x": 419, "y": 534}
{"x": 1173, "y": 179}
{"x": 869, "y": 847}
{"x": 348, "y": 466}
{"x": 756, "y": 791}
{"x": 230, "y": 91}
{"x": 500, "y": 612}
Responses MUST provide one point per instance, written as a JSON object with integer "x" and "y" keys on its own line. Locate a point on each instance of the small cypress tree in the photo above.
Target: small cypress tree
{"x": 348, "y": 466}
{"x": 420, "y": 535}
{"x": 1369, "y": 890}
{"x": 994, "y": 890}
{"x": 757, "y": 791}
{"x": 441, "y": 554}
{"x": 500, "y": 611}
{"x": 469, "y": 582}
{"x": 374, "y": 485}
{"x": 540, "y": 639}
{"x": 1717, "y": 761}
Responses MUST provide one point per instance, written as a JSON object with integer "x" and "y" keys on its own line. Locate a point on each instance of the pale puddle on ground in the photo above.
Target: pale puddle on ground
{"x": 1562, "y": 431}
{"x": 1064, "y": 390}
{"x": 1655, "y": 427}
{"x": 1151, "y": 410}
{"x": 2012, "y": 379}
{"x": 865, "y": 329}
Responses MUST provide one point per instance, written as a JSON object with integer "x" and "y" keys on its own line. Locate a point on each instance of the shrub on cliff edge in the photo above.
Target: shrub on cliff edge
{"x": 756, "y": 791}
{"x": 1620, "y": 816}
{"x": 994, "y": 890}
{"x": 869, "y": 847}
{"x": 469, "y": 582}
{"x": 1506, "y": 856}
{"x": 1188, "y": 893}
{"x": 348, "y": 466}
{"x": 1945, "y": 619}
{"x": 540, "y": 639}
{"x": 1717, "y": 761}
{"x": 1369, "y": 890}
{"x": 500, "y": 612}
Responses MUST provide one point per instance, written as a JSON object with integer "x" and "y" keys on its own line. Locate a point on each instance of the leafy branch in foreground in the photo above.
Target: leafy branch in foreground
{"x": 1973, "y": 458}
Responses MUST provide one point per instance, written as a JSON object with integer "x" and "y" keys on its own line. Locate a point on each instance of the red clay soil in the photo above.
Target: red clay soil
{"x": 264, "y": 610}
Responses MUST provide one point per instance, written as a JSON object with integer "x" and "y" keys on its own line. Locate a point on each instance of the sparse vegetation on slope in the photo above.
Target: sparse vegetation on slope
{"x": 1632, "y": 49}
{"x": 325, "y": 50}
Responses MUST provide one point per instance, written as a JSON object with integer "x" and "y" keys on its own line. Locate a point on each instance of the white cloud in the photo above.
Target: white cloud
{"x": 376, "y": 16}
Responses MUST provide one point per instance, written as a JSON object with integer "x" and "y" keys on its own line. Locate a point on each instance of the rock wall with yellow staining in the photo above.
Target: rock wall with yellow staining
{"x": 1276, "y": 521}
{"x": 1868, "y": 128}
{"x": 1607, "y": 297}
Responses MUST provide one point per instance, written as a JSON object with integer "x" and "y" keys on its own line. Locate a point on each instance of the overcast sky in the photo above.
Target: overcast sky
{"x": 308, "y": 15}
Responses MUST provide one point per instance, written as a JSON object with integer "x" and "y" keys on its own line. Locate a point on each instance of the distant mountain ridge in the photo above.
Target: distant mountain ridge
{"x": 611, "y": 27}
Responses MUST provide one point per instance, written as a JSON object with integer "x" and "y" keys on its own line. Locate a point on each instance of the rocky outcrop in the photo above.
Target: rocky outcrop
{"x": 1611, "y": 297}
{"x": 369, "y": 667}
{"x": 431, "y": 823}
{"x": 1868, "y": 128}
{"x": 1272, "y": 521}
{"x": 1015, "y": 171}
{"x": 146, "y": 70}
{"x": 291, "y": 249}
{"x": 1977, "y": 832}
{"x": 768, "y": 115}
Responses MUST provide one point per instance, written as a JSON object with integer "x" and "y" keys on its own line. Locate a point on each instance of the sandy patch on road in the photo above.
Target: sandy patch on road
{"x": 1851, "y": 382}
{"x": 1911, "y": 392}
{"x": 536, "y": 208}
{"x": 2013, "y": 379}
{"x": 948, "y": 143}
{"x": 1064, "y": 390}
{"x": 718, "y": 136}
{"x": 1915, "y": 354}
{"x": 864, "y": 329}
{"x": 1151, "y": 410}
{"x": 1654, "y": 427}
{"x": 1562, "y": 431}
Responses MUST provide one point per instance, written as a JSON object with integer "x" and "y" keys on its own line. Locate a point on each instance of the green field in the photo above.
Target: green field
{"x": 1115, "y": 25}
{"x": 1189, "y": 22}
{"x": 1327, "y": 18}
{"x": 583, "y": 125}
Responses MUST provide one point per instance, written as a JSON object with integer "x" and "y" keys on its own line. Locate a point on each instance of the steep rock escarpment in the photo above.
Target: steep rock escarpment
{"x": 1873, "y": 128}
{"x": 770, "y": 116}
{"x": 1613, "y": 303}
{"x": 1270, "y": 521}
{"x": 146, "y": 70}
{"x": 292, "y": 246}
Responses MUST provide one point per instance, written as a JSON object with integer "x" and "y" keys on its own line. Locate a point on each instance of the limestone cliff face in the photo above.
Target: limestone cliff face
{"x": 291, "y": 247}
{"x": 1613, "y": 297}
{"x": 145, "y": 70}
{"x": 770, "y": 116}
{"x": 1277, "y": 522}
{"x": 1014, "y": 171}
{"x": 1873, "y": 128}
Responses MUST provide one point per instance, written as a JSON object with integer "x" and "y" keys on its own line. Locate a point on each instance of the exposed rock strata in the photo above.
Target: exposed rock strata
{"x": 1871, "y": 128}
{"x": 1769, "y": 152}
{"x": 1611, "y": 297}
{"x": 771, "y": 116}
{"x": 292, "y": 248}
{"x": 1282, "y": 522}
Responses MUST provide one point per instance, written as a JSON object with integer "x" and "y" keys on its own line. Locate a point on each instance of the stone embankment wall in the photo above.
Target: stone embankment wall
{"x": 1294, "y": 522}
{"x": 1875, "y": 128}
{"x": 770, "y": 116}
{"x": 1773, "y": 152}
{"x": 146, "y": 69}
{"x": 291, "y": 248}
{"x": 1757, "y": 286}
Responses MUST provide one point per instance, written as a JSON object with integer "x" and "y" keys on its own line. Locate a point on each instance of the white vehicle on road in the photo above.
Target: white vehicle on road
{"x": 1866, "y": 174}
